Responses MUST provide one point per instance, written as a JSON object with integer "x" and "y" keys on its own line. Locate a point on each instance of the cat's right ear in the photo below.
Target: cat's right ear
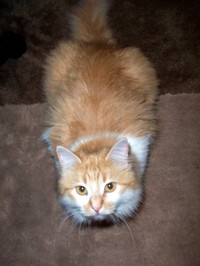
{"x": 119, "y": 153}
{"x": 67, "y": 159}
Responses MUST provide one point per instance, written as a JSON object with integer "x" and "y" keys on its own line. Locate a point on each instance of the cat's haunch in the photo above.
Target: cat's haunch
{"x": 101, "y": 118}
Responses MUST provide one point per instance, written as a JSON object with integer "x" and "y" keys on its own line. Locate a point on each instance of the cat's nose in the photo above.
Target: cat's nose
{"x": 96, "y": 208}
{"x": 96, "y": 203}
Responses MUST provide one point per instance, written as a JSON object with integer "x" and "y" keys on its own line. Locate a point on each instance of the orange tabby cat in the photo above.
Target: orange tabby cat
{"x": 101, "y": 118}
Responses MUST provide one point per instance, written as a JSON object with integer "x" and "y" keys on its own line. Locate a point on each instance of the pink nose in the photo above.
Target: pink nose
{"x": 96, "y": 208}
{"x": 96, "y": 203}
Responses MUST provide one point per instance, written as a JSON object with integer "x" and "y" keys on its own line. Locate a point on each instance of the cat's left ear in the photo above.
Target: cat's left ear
{"x": 67, "y": 159}
{"x": 119, "y": 153}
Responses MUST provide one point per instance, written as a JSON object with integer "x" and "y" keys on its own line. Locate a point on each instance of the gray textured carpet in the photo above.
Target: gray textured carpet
{"x": 166, "y": 230}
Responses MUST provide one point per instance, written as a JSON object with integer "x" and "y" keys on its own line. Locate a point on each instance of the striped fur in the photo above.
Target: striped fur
{"x": 98, "y": 94}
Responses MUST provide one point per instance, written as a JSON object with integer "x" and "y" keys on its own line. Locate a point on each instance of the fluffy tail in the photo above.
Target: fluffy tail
{"x": 88, "y": 22}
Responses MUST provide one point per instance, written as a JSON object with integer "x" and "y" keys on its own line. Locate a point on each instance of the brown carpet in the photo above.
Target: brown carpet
{"x": 166, "y": 230}
{"x": 166, "y": 30}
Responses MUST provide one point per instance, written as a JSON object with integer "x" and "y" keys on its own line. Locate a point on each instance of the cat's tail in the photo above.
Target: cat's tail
{"x": 88, "y": 21}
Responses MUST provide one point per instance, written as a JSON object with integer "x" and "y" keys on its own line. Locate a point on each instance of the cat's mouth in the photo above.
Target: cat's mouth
{"x": 100, "y": 217}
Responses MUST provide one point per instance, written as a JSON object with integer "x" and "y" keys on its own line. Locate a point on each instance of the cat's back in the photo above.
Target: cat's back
{"x": 100, "y": 87}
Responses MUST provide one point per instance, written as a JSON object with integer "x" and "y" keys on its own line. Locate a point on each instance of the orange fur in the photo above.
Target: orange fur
{"x": 89, "y": 22}
{"x": 93, "y": 87}
{"x": 95, "y": 170}
{"x": 99, "y": 88}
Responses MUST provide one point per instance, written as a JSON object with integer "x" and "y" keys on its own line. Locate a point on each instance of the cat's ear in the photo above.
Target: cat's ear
{"x": 119, "y": 153}
{"x": 67, "y": 159}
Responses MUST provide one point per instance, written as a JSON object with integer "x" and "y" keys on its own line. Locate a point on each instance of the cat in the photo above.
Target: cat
{"x": 101, "y": 118}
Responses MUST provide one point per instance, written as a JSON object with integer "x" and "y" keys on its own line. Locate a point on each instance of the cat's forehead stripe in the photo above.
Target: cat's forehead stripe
{"x": 94, "y": 175}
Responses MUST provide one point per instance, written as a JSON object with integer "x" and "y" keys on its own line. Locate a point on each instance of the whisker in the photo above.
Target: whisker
{"x": 61, "y": 225}
{"x": 73, "y": 225}
{"x": 129, "y": 229}
{"x": 115, "y": 222}
{"x": 64, "y": 220}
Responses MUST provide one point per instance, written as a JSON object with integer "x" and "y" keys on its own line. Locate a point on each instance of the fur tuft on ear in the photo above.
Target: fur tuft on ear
{"x": 119, "y": 153}
{"x": 67, "y": 159}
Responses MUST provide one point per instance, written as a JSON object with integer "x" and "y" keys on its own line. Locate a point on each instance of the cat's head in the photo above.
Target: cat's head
{"x": 101, "y": 186}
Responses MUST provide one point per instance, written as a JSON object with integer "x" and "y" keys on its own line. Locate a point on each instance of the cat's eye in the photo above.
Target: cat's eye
{"x": 81, "y": 190}
{"x": 110, "y": 187}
